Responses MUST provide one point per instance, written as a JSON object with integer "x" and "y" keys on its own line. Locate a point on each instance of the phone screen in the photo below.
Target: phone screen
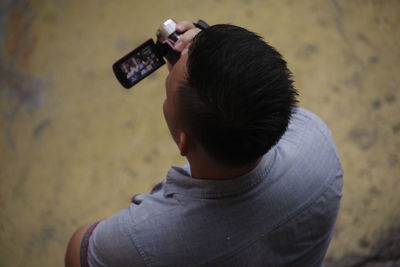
{"x": 138, "y": 64}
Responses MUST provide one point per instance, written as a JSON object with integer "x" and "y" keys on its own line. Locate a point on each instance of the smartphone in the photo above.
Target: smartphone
{"x": 138, "y": 64}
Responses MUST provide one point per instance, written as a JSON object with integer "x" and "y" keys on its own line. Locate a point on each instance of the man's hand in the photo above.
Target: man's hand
{"x": 188, "y": 31}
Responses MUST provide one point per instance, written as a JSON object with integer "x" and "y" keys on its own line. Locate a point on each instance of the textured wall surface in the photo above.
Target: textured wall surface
{"x": 75, "y": 146}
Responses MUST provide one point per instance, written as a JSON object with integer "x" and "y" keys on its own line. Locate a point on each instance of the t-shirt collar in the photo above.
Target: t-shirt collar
{"x": 179, "y": 181}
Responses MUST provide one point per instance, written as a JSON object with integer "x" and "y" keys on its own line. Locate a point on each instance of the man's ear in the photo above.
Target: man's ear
{"x": 183, "y": 143}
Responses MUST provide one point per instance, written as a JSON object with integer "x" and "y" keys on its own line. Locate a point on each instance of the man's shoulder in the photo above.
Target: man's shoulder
{"x": 303, "y": 118}
{"x": 307, "y": 122}
{"x": 307, "y": 136}
{"x": 306, "y": 157}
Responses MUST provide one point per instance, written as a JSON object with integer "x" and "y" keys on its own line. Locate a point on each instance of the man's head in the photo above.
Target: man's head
{"x": 232, "y": 93}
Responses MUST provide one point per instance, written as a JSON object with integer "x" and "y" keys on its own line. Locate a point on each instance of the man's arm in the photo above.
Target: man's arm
{"x": 73, "y": 256}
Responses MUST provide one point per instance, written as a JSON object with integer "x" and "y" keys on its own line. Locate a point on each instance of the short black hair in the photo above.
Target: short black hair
{"x": 238, "y": 96}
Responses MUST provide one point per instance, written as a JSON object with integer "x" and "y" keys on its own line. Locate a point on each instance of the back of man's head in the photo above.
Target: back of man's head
{"x": 238, "y": 95}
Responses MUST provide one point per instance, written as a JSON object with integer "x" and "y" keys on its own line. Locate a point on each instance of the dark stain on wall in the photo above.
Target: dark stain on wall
{"x": 41, "y": 126}
{"x": 18, "y": 91}
{"x": 390, "y": 99}
{"x": 373, "y": 60}
{"x": 364, "y": 138}
{"x": 393, "y": 160}
{"x": 384, "y": 253}
{"x": 396, "y": 128}
{"x": 376, "y": 104}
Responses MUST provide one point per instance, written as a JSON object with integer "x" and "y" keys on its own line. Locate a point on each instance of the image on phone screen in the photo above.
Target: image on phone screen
{"x": 138, "y": 64}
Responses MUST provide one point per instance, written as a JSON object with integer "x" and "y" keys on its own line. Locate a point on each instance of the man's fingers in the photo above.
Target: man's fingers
{"x": 184, "y": 26}
{"x": 170, "y": 66}
{"x": 188, "y": 31}
{"x": 185, "y": 39}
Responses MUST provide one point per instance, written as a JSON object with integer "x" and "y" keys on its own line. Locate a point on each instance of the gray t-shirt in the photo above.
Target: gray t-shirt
{"x": 279, "y": 214}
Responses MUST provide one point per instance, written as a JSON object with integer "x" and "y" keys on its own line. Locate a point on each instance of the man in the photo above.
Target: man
{"x": 263, "y": 183}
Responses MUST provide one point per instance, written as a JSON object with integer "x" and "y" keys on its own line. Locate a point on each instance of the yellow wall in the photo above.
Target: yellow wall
{"x": 75, "y": 146}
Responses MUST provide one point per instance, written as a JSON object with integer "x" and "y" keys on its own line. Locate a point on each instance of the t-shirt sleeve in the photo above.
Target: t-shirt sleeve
{"x": 109, "y": 243}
